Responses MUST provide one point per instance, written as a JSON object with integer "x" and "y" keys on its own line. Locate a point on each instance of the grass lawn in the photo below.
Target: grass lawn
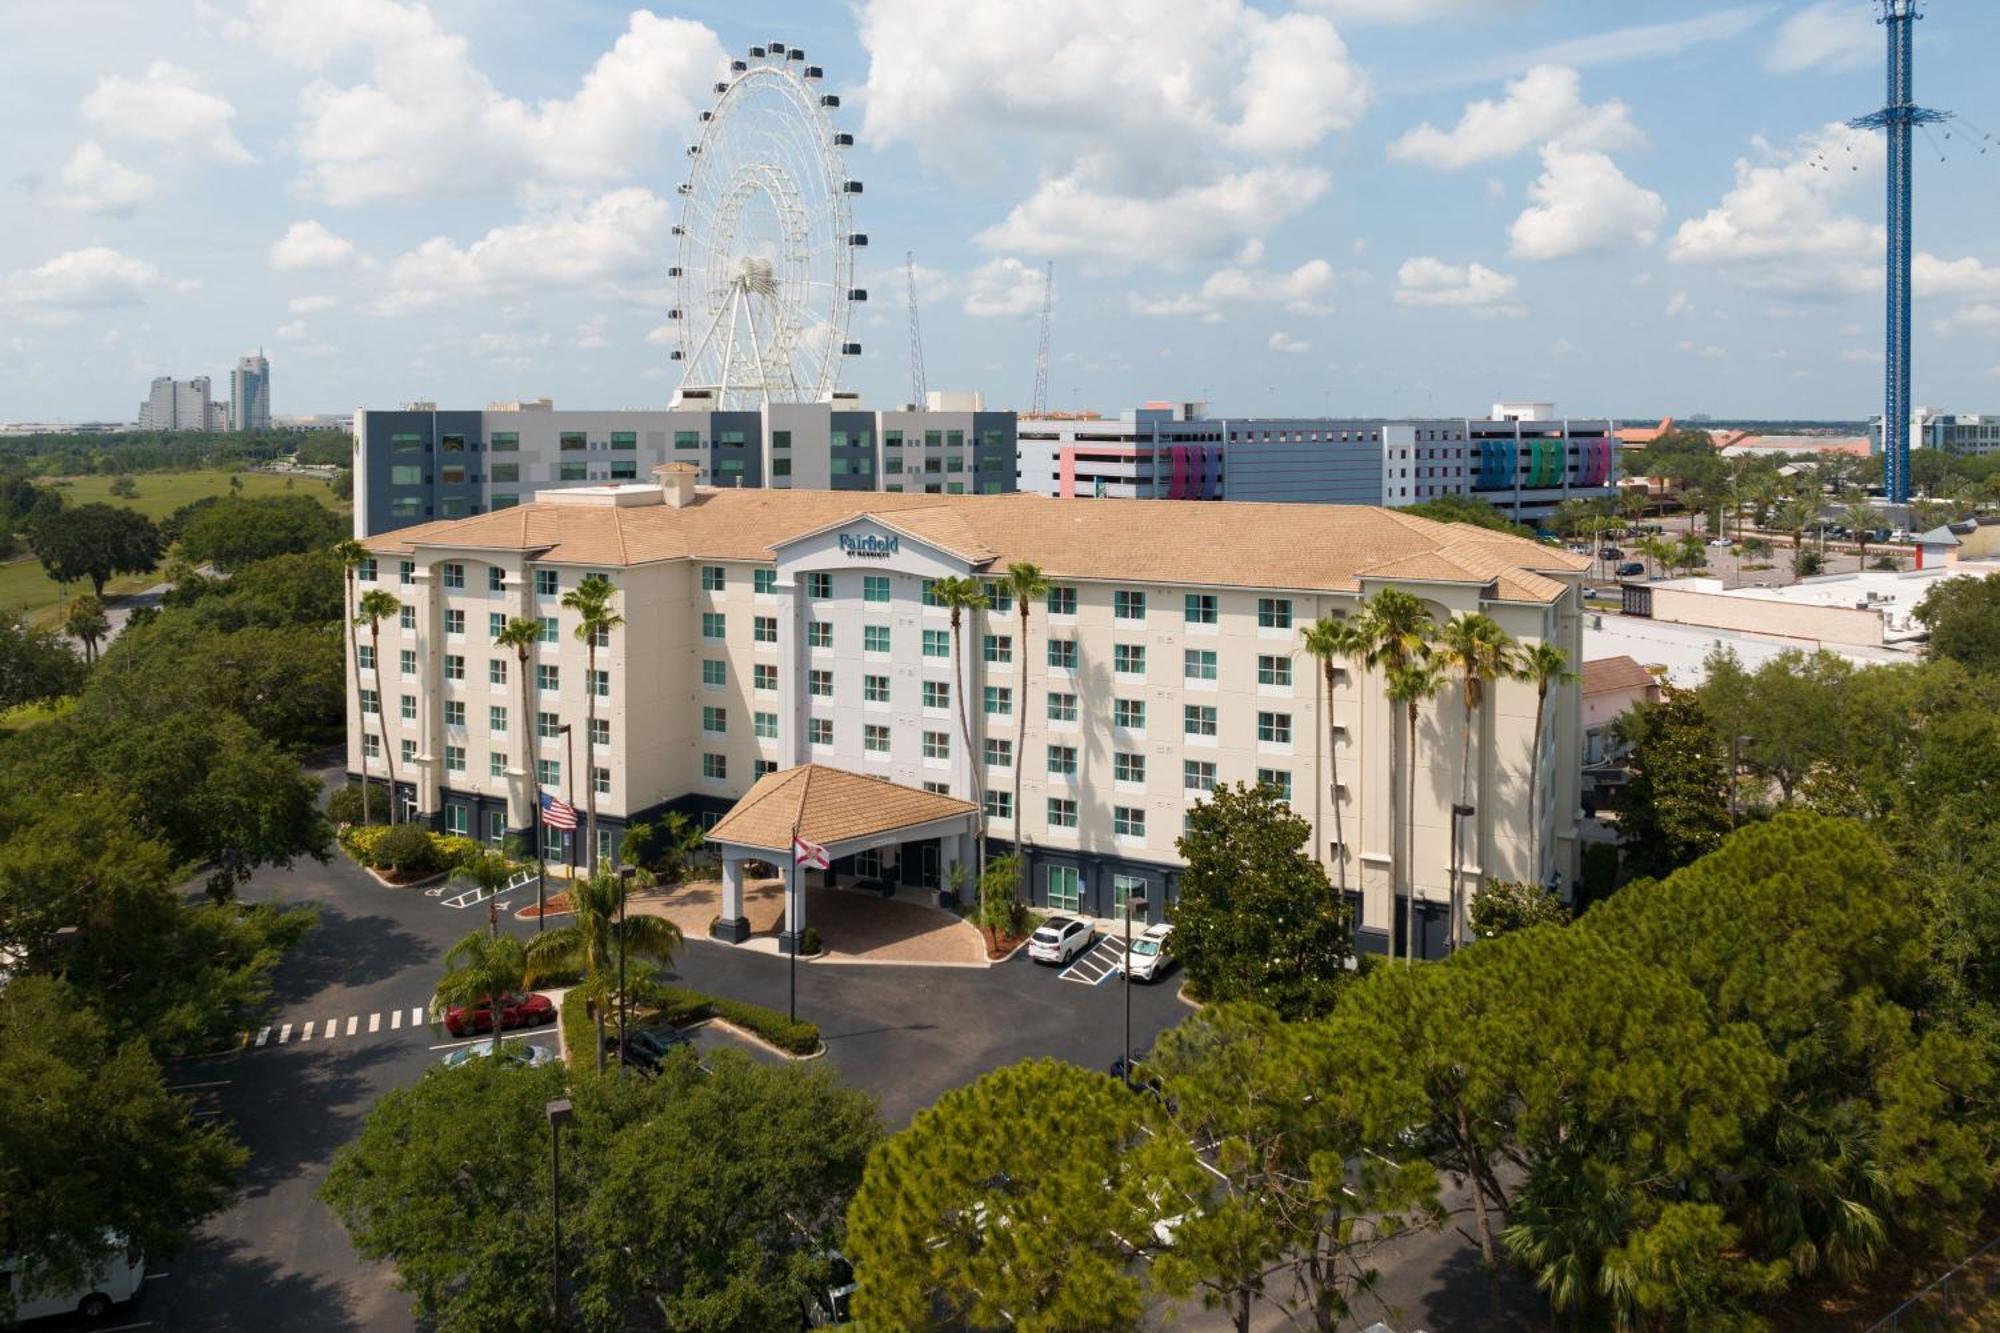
{"x": 23, "y": 585}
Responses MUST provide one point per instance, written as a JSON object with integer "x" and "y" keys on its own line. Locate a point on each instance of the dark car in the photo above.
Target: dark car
{"x": 1610, "y": 553}
{"x": 1630, "y": 569}
{"x": 645, "y": 1048}
{"x": 516, "y": 1011}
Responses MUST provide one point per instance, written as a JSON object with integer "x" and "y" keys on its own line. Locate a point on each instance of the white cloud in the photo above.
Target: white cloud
{"x": 93, "y": 278}
{"x": 1302, "y": 290}
{"x": 1542, "y": 105}
{"x": 1184, "y": 305}
{"x": 1561, "y": 349}
{"x": 1644, "y": 41}
{"x": 165, "y": 106}
{"x": 1003, "y": 288}
{"x": 1931, "y": 276}
{"x": 591, "y": 335}
{"x": 662, "y": 335}
{"x": 1782, "y": 226}
{"x": 295, "y": 331}
{"x": 601, "y": 247}
{"x": 1981, "y": 317}
{"x": 308, "y": 245}
{"x": 1070, "y": 216}
{"x": 1831, "y": 35}
{"x": 1861, "y": 356}
{"x": 311, "y": 305}
{"x": 1678, "y": 305}
{"x": 91, "y": 182}
{"x": 1419, "y": 11}
{"x": 1425, "y": 281}
{"x": 1285, "y": 342}
{"x": 1583, "y": 203}
{"x": 426, "y": 123}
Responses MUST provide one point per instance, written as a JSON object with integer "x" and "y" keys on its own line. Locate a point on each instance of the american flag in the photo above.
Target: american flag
{"x": 557, "y": 813}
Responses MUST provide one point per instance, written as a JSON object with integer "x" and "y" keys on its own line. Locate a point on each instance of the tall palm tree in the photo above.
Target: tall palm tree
{"x": 1474, "y": 648}
{"x": 1335, "y": 643}
{"x": 598, "y": 933}
{"x": 1024, "y": 583}
{"x": 377, "y": 605}
{"x": 960, "y": 595}
{"x": 482, "y": 967}
{"x": 1541, "y": 665}
{"x": 1398, "y": 628}
{"x": 591, "y": 600}
{"x": 521, "y": 634}
{"x": 1410, "y": 685}
{"x": 87, "y": 623}
{"x": 351, "y": 553}
{"x": 1860, "y": 520}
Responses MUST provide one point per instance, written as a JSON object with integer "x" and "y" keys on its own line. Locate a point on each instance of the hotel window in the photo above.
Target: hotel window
{"x": 1200, "y": 608}
{"x": 764, "y": 678}
{"x": 1062, "y": 814}
{"x": 937, "y": 643}
{"x": 570, "y": 441}
{"x": 875, "y": 638}
{"x": 549, "y": 772}
{"x": 819, "y": 634}
{"x": 714, "y": 721}
{"x": 407, "y": 617}
{"x": 548, "y": 678}
{"x": 999, "y": 753}
{"x": 1062, "y": 654}
{"x": 496, "y": 671}
{"x": 371, "y": 746}
{"x": 1128, "y": 605}
{"x": 454, "y": 712}
{"x": 874, "y": 587}
{"x": 546, "y": 583}
{"x": 715, "y": 766}
{"x": 1128, "y": 659}
{"x": 929, "y": 593}
{"x": 1278, "y": 780}
{"x": 714, "y": 624}
{"x": 763, "y": 581}
{"x": 1198, "y": 663}
{"x": 1128, "y": 821}
{"x": 1130, "y": 714}
{"x": 1275, "y": 728}
{"x": 1000, "y": 599}
{"x": 496, "y": 719}
{"x": 364, "y": 570}
{"x": 504, "y": 442}
{"x": 406, "y": 474}
{"x": 999, "y": 701}
{"x": 406, "y": 572}
{"x": 1274, "y": 670}
{"x": 892, "y": 465}
{"x": 408, "y": 711}
{"x": 687, "y": 439}
{"x": 1198, "y": 719}
{"x": 1128, "y": 767}
{"x": 1062, "y": 761}
{"x": 714, "y": 673}
{"x": 624, "y": 439}
{"x": 454, "y": 759}
{"x": 765, "y": 725}
{"x": 759, "y": 767}
{"x": 1274, "y": 613}
{"x": 406, "y": 661}
{"x": 875, "y": 689}
{"x": 1198, "y": 774}
{"x": 999, "y": 648}
{"x": 819, "y": 731}
{"x": 938, "y": 788}
{"x": 496, "y": 621}
{"x": 819, "y": 585}
{"x": 1065, "y": 888}
{"x": 999, "y": 805}
{"x": 600, "y": 781}
{"x": 496, "y": 767}
{"x": 507, "y": 473}
{"x": 937, "y": 694}
{"x": 781, "y": 439}
{"x": 600, "y": 731}
{"x": 548, "y": 726}
{"x": 937, "y": 745}
{"x": 764, "y": 629}
{"x": 1062, "y": 707}
{"x": 875, "y": 738}
{"x": 712, "y": 578}
{"x": 454, "y": 621}
{"x": 454, "y": 574}
{"x": 819, "y": 684}
{"x": 371, "y": 702}
{"x": 454, "y": 667}
{"x": 932, "y": 438}
{"x": 364, "y": 657}
{"x": 1062, "y": 601}
{"x": 551, "y": 631}
{"x": 496, "y": 579}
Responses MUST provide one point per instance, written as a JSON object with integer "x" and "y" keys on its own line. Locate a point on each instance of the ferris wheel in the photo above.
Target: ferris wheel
{"x": 765, "y": 272}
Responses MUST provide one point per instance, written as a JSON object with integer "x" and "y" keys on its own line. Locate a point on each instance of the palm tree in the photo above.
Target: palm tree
{"x": 1410, "y": 685}
{"x": 1335, "y": 643}
{"x": 1861, "y": 520}
{"x": 87, "y": 623}
{"x": 1478, "y": 652}
{"x": 1398, "y": 628}
{"x": 489, "y": 870}
{"x": 351, "y": 553}
{"x": 1541, "y": 665}
{"x": 483, "y": 967}
{"x": 1024, "y": 583}
{"x": 960, "y": 595}
{"x": 591, "y": 600}
{"x": 598, "y": 926}
{"x": 376, "y": 606}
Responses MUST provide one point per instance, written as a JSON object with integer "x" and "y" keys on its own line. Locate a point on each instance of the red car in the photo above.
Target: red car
{"x": 516, "y": 1011}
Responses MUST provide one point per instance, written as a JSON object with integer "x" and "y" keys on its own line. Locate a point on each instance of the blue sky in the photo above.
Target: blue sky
{"x": 1345, "y": 206}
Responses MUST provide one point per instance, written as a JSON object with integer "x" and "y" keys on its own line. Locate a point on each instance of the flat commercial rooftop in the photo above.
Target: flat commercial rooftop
{"x": 1894, "y": 594}
{"x": 1682, "y": 649}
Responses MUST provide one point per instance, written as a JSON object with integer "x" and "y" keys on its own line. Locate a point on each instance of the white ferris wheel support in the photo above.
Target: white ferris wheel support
{"x": 764, "y": 280}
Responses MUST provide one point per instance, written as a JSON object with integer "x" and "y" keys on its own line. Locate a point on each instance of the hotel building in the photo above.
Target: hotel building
{"x": 771, "y": 632}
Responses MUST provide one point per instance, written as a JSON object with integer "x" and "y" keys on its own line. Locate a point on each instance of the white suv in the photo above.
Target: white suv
{"x": 1059, "y": 939}
{"x": 1149, "y": 953}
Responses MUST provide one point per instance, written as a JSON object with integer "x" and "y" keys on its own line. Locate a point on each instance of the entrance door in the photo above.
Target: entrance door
{"x": 930, "y": 866}
{"x": 1123, "y": 889}
{"x": 1065, "y": 889}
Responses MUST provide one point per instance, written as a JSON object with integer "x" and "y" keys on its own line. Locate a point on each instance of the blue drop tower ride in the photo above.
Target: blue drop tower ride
{"x": 1900, "y": 117}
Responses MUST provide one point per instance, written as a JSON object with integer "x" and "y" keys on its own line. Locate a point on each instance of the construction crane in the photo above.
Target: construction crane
{"x": 919, "y": 390}
{"x": 1039, "y": 406}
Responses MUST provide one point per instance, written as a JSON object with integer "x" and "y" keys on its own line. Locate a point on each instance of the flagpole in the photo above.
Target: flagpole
{"x": 541, "y": 862}
{"x": 792, "y": 913}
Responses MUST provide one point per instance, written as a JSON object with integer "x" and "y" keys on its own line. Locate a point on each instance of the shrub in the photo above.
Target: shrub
{"x": 408, "y": 849}
{"x": 579, "y": 1035}
{"x": 680, "y": 1006}
{"x": 453, "y": 849}
{"x": 809, "y": 943}
{"x": 345, "y": 806}
{"x": 363, "y": 840}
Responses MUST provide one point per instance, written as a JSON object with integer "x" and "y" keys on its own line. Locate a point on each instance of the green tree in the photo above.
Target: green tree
{"x": 1677, "y": 804}
{"x": 377, "y": 605}
{"x": 591, "y": 600}
{"x": 487, "y": 870}
{"x": 351, "y": 553}
{"x": 1410, "y": 686}
{"x": 522, "y": 633}
{"x": 1257, "y": 918}
{"x": 483, "y": 969}
{"x": 1507, "y": 905}
{"x": 96, "y": 541}
{"x": 1467, "y": 509}
{"x": 1478, "y": 652}
{"x": 1963, "y": 617}
{"x": 86, "y": 623}
{"x": 960, "y": 596}
{"x": 1042, "y": 1243}
{"x": 238, "y": 531}
{"x": 1544, "y": 666}
{"x": 1399, "y": 629}
{"x": 1339, "y": 645}
{"x": 598, "y": 934}
{"x": 1023, "y": 583}
{"x": 1785, "y": 713}
{"x": 36, "y": 666}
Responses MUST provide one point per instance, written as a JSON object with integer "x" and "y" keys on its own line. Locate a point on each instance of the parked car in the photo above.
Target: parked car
{"x": 1150, "y": 956}
{"x": 830, "y": 1308}
{"x": 1631, "y": 569}
{"x": 1718, "y": 542}
{"x": 515, "y": 1011}
{"x": 117, "y": 1280}
{"x": 1059, "y": 939}
{"x": 1610, "y": 553}
{"x": 525, "y": 1054}
{"x": 645, "y": 1048}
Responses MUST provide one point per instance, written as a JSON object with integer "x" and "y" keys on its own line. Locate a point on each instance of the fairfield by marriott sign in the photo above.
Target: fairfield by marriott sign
{"x": 868, "y": 546}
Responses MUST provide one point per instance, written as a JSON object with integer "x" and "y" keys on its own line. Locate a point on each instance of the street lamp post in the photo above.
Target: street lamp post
{"x": 624, "y": 888}
{"x": 560, "y": 1112}
{"x": 1459, "y": 811}
{"x": 1133, "y": 903}
{"x": 569, "y": 791}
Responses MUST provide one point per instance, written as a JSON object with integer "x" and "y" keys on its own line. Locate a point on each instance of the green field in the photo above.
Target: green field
{"x": 23, "y": 585}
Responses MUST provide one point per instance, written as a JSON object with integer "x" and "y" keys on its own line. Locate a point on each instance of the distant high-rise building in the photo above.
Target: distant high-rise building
{"x": 250, "y": 394}
{"x": 173, "y": 404}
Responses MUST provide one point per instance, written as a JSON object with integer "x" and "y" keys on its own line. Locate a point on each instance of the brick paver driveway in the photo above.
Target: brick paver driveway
{"x": 854, "y": 926}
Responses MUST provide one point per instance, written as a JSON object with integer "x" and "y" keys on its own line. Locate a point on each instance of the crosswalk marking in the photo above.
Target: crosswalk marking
{"x": 416, "y": 1016}
{"x": 351, "y": 1024}
{"x": 284, "y": 1033}
{"x": 263, "y": 1036}
{"x": 331, "y": 1030}
{"x": 395, "y": 1021}
{"x": 280, "y": 1034}
{"x": 374, "y": 1022}
{"x": 306, "y": 1033}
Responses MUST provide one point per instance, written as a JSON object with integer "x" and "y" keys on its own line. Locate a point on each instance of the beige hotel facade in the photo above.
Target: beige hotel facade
{"x": 767, "y": 629}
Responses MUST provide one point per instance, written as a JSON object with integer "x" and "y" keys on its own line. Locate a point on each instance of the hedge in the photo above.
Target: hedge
{"x": 680, "y": 1006}
{"x": 579, "y": 1034}
{"x": 365, "y": 843}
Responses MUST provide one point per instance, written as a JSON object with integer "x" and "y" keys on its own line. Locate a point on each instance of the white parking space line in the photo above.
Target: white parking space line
{"x": 352, "y": 1023}
{"x": 1096, "y": 963}
{"x": 284, "y": 1034}
{"x": 374, "y": 1022}
{"x": 263, "y": 1036}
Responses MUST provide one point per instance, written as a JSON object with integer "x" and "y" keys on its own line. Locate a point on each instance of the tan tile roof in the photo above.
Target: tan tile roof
{"x": 828, "y": 805}
{"x": 1205, "y": 542}
{"x": 1604, "y": 674}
